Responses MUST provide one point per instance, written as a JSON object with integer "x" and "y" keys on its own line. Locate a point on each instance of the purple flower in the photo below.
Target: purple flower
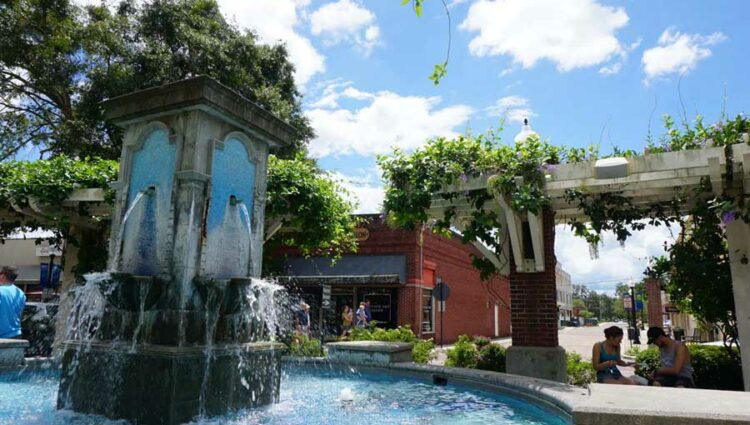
{"x": 667, "y": 148}
{"x": 463, "y": 177}
{"x": 728, "y": 217}
{"x": 718, "y": 126}
{"x": 551, "y": 168}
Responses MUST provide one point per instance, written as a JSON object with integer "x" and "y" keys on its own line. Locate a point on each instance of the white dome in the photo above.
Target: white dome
{"x": 525, "y": 132}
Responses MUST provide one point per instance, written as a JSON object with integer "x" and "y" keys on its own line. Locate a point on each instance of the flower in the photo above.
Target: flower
{"x": 728, "y": 217}
{"x": 463, "y": 177}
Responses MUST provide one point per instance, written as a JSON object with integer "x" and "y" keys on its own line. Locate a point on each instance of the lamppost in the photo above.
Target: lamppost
{"x": 636, "y": 332}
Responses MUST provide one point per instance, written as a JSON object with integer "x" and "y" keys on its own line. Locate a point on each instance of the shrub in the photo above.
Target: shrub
{"x": 400, "y": 334}
{"x": 713, "y": 367}
{"x": 580, "y": 372}
{"x": 304, "y": 346}
{"x": 647, "y": 361}
{"x": 491, "y": 357}
{"x": 634, "y": 350}
{"x": 481, "y": 341}
{"x": 463, "y": 353}
{"x": 422, "y": 351}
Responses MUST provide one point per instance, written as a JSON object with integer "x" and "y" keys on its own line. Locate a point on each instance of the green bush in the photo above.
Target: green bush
{"x": 481, "y": 341}
{"x": 422, "y": 351}
{"x": 304, "y": 346}
{"x": 580, "y": 372}
{"x": 647, "y": 361}
{"x": 400, "y": 334}
{"x": 463, "y": 354}
{"x": 713, "y": 367}
{"x": 491, "y": 357}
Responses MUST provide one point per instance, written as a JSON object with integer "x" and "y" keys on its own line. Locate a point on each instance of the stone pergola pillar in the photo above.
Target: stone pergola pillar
{"x": 738, "y": 240}
{"x": 535, "y": 351}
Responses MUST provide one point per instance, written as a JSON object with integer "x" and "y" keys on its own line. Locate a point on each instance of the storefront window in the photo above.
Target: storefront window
{"x": 427, "y": 310}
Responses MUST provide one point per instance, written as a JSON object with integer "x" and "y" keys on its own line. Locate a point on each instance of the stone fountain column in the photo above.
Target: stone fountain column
{"x": 176, "y": 338}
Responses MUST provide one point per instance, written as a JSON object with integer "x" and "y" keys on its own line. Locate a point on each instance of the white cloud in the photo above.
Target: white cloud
{"x": 572, "y": 34}
{"x": 512, "y": 108}
{"x": 346, "y": 21}
{"x": 387, "y": 119}
{"x": 363, "y": 191}
{"x": 611, "y": 69}
{"x": 615, "y": 263}
{"x": 276, "y": 21}
{"x": 677, "y": 53}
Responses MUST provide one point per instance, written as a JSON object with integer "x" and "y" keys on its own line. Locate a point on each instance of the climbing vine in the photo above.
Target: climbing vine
{"x": 518, "y": 173}
{"x": 700, "y": 255}
{"x": 305, "y": 199}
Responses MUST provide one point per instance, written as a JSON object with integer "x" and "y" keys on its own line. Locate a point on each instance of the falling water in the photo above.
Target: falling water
{"x": 120, "y": 234}
{"x": 212, "y": 318}
{"x": 185, "y": 290}
{"x": 228, "y": 251}
{"x": 142, "y": 293}
{"x": 85, "y": 316}
{"x": 249, "y": 224}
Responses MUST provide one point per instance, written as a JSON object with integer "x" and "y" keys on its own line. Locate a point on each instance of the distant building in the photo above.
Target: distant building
{"x": 397, "y": 270}
{"x": 564, "y": 293}
{"x": 21, "y": 251}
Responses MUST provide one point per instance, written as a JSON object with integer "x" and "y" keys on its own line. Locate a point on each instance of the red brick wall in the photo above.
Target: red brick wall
{"x": 655, "y": 308}
{"x": 534, "y": 307}
{"x": 470, "y": 308}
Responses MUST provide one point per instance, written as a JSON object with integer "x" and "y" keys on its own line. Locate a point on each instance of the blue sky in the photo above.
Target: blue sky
{"x": 583, "y": 71}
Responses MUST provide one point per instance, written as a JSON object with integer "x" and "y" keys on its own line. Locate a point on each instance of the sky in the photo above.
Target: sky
{"x": 583, "y": 72}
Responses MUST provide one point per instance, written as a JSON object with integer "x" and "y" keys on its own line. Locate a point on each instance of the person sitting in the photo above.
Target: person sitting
{"x": 606, "y": 357}
{"x": 12, "y": 302}
{"x": 676, "y": 369}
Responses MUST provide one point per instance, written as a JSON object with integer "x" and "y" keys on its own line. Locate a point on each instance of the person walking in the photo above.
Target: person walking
{"x": 303, "y": 319}
{"x": 361, "y": 316}
{"x": 347, "y": 317}
{"x": 12, "y": 302}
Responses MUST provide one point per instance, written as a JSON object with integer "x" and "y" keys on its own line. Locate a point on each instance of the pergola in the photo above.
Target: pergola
{"x": 647, "y": 180}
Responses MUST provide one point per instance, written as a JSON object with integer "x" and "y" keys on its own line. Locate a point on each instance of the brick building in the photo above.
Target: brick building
{"x": 397, "y": 271}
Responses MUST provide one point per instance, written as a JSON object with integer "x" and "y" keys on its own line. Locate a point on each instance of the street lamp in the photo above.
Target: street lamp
{"x": 636, "y": 332}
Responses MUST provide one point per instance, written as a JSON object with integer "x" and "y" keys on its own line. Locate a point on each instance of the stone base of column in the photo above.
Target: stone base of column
{"x": 537, "y": 362}
{"x": 163, "y": 385}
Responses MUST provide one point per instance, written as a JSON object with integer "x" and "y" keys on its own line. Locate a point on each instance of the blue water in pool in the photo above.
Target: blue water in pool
{"x": 308, "y": 396}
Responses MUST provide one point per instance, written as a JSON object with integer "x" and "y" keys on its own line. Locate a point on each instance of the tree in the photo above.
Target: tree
{"x": 58, "y": 61}
{"x": 697, "y": 274}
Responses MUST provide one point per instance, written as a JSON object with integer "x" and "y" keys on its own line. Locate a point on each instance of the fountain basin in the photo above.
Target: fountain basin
{"x": 316, "y": 394}
{"x": 167, "y": 385}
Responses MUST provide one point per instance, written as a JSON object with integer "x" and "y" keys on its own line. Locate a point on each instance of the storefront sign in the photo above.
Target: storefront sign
{"x": 361, "y": 234}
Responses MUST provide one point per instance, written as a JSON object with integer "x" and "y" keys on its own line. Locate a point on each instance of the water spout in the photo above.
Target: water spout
{"x": 118, "y": 245}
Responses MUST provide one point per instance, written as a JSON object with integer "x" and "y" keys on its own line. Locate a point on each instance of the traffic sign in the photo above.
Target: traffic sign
{"x": 442, "y": 291}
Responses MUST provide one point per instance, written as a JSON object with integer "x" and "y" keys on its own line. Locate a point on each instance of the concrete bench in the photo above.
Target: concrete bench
{"x": 11, "y": 352}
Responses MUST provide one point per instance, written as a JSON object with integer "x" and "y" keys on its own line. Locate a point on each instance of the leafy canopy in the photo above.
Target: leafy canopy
{"x": 58, "y": 61}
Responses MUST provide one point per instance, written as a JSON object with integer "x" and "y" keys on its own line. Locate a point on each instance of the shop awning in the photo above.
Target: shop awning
{"x": 356, "y": 280}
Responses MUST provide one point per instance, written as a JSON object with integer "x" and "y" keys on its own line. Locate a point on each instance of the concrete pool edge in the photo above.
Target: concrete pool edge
{"x": 596, "y": 405}
{"x": 599, "y": 404}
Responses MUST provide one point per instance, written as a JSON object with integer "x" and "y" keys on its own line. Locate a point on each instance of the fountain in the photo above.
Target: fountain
{"x": 183, "y": 327}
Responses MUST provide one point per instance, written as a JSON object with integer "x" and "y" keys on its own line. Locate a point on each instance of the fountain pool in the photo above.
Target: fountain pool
{"x": 309, "y": 395}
